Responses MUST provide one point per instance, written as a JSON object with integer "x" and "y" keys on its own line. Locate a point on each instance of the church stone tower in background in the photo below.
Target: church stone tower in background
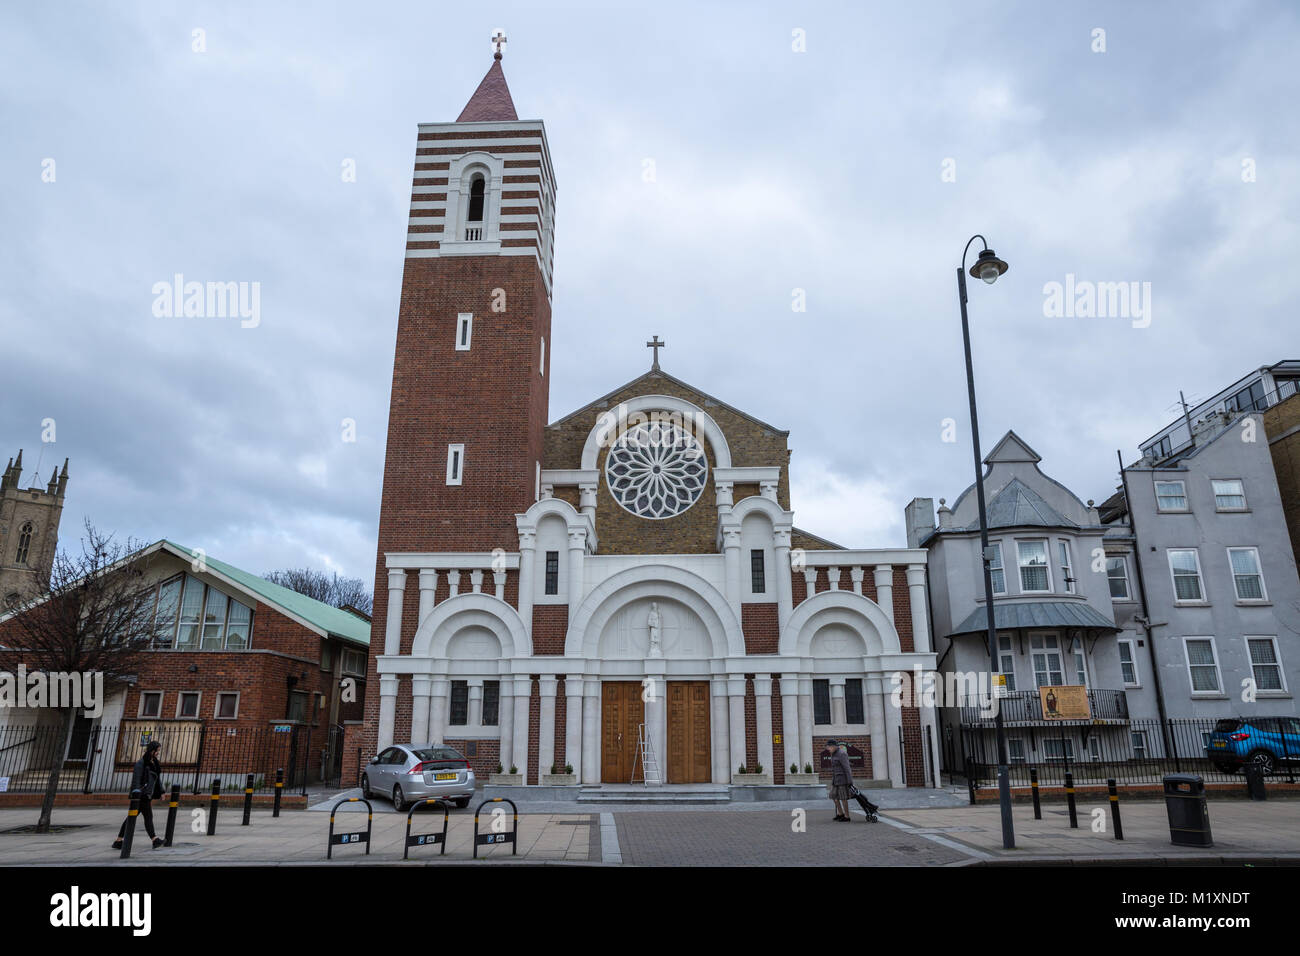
{"x": 29, "y": 529}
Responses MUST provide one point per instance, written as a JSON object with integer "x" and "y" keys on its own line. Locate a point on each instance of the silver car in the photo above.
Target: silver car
{"x": 409, "y": 772}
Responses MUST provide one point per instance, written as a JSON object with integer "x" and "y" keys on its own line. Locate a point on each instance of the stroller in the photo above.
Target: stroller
{"x": 869, "y": 808}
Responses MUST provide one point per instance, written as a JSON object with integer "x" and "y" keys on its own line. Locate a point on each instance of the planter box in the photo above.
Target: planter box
{"x": 801, "y": 779}
{"x": 559, "y": 780}
{"x": 506, "y": 779}
{"x": 751, "y": 779}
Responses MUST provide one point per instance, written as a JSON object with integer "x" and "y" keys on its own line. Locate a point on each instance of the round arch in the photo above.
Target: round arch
{"x": 654, "y": 580}
{"x": 465, "y": 610}
{"x": 840, "y": 607}
{"x": 608, "y": 420}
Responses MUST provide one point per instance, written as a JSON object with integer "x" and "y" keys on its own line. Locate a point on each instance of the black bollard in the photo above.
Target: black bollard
{"x": 172, "y": 804}
{"x": 130, "y": 824}
{"x": 248, "y": 800}
{"x": 970, "y": 780}
{"x": 1114, "y": 809}
{"x": 1069, "y": 798}
{"x": 212, "y": 806}
{"x": 279, "y": 789}
{"x": 1033, "y": 788}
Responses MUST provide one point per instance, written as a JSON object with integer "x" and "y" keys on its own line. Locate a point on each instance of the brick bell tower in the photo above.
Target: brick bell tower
{"x": 470, "y": 372}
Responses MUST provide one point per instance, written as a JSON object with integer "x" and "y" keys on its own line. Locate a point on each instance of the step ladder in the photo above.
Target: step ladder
{"x": 645, "y": 755}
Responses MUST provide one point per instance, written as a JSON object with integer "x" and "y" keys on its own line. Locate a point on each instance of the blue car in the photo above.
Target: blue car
{"x": 1267, "y": 742}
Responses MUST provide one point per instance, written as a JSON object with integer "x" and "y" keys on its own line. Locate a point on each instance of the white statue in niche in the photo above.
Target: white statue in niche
{"x": 652, "y": 623}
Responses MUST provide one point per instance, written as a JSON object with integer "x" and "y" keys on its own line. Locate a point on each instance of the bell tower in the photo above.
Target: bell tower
{"x": 29, "y": 530}
{"x": 471, "y": 368}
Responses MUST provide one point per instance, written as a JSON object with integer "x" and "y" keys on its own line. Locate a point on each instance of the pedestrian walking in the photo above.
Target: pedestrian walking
{"x": 147, "y": 779}
{"x": 841, "y": 780}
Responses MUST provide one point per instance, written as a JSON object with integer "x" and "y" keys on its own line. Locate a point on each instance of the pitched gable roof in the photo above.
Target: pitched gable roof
{"x": 659, "y": 373}
{"x": 1011, "y": 448}
{"x": 491, "y": 102}
{"x": 321, "y": 617}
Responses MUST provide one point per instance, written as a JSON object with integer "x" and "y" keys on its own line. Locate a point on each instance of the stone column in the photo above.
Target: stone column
{"x": 439, "y": 688}
{"x": 736, "y": 721}
{"x": 856, "y": 575}
{"x": 577, "y": 548}
{"x": 587, "y": 500}
{"x": 527, "y": 567}
{"x": 806, "y": 723}
{"x": 810, "y": 581}
{"x": 877, "y": 690}
{"x": 590, "y": 731}
{"x": 718, "y": 724}
{"x": 420, "y": 709}
{"x": 656, "y": 715}
{"x": 763, "y": 720}
{"x": 790, "y": 721}
{"x": 387, "y": 709}
{"x": 453, "y": 583}
{"x": 833, "y": 578}
{"x": 893, "y": 722}
{"x": 920, "y": 612}
{"x": 784, "y": 591}
{"x": 393, "y": 625}
{"x": 428, "y": 585}
{"x": 731, "y": 554}
{"x": 506, "y": 721}
{"x": 392, "y": 647}
{"x": 474, "y": 716}
{"x": 523, "y": 690}
{"x": 476, "y": 581}
{"x": 885, "y": 589}
{"x": 573, "y": 723}
{"x": 839, "y": 716}
{"x": 546, "y": 741}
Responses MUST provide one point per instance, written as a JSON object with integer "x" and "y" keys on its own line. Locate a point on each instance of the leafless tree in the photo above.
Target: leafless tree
{"x": 329, "y": 589}
{"x": 95, "y": 616}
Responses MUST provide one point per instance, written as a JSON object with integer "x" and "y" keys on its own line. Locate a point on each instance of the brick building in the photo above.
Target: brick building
{"x": 549, "y": 593}
{"x": 239, "y": 666}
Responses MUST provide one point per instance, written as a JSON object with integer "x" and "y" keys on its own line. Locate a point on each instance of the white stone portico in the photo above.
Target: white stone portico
{"x": 832, "y": 637}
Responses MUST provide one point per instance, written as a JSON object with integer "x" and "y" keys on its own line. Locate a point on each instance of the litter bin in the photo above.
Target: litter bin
{"x": 1255, "y": 781}
{"x": 1189, "y": 820}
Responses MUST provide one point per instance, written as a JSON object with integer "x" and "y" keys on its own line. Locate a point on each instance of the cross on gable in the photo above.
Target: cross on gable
{"x": 656, "y": 345}
{"x": 499, "y": 39}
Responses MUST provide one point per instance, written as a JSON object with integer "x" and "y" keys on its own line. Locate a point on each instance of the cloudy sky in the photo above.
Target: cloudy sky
{"x": 854, "y": 169}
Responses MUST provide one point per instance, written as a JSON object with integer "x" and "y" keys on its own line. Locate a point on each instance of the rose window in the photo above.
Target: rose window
{"x": 656, "y": 470}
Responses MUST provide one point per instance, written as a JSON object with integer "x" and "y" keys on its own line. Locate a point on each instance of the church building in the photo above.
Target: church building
{"x": 624, "y": 586}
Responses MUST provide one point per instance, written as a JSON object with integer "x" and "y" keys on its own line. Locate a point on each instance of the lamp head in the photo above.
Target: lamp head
{"x": 988, "y": 266}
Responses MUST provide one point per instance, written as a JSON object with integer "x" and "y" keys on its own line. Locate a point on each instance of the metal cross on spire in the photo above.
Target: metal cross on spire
{"x": 656, "y": 345}
{"x": 499, "y": 40}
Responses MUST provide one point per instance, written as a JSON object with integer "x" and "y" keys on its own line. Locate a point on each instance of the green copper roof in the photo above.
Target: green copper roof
{"x": 332, "y": 620}
{"x": 1047, "y": 614}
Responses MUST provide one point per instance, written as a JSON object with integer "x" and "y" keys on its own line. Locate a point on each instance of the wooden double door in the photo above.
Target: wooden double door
{"x": 689, "y": 752}
{"x": 623, "y": 711}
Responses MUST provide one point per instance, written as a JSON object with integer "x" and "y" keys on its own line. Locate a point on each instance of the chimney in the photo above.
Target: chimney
{"x": 919, "y": 518}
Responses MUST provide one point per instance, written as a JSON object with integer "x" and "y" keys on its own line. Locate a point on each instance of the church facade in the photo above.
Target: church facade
{"x": 555, "y": 599}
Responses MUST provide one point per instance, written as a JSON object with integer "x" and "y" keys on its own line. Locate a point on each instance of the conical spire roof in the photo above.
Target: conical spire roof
{"x": 491, "y": 102}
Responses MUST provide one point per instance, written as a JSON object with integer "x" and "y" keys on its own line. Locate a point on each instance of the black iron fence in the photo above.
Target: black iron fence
{"x": 100, "y": 758}
{"x": 1139, "y": 751}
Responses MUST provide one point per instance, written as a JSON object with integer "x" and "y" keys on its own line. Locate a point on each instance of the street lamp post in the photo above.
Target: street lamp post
{"x": 987, "y": 267}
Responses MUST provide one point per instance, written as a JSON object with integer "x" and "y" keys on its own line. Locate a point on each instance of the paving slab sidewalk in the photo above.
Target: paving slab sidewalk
{"x": 296, "y": 837}
{"x": 1242, "y": 831}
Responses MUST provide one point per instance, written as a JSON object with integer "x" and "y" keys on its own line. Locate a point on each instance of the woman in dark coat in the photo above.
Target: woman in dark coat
{"x": 841, "y": 780}
{"x": 147, "y": 778}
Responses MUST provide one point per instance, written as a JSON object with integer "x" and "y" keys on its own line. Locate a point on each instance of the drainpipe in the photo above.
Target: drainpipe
{"x": 1146, "y": 610}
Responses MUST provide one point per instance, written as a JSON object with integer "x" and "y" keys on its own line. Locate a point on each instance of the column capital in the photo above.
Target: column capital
{"x": 762, "y": 687}
{"x": 573, "y": 685}
{"x": 916, "y": 575}
{"x": 781, "y": 539}
{"x": 428, "y": 579}
{"x": 527, "y": 540}
{"x": 548, "y": 684}
{"x": 397, "y": 579}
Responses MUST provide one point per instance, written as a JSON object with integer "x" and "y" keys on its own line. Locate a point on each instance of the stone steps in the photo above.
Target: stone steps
{"x": 663, "y": 794}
